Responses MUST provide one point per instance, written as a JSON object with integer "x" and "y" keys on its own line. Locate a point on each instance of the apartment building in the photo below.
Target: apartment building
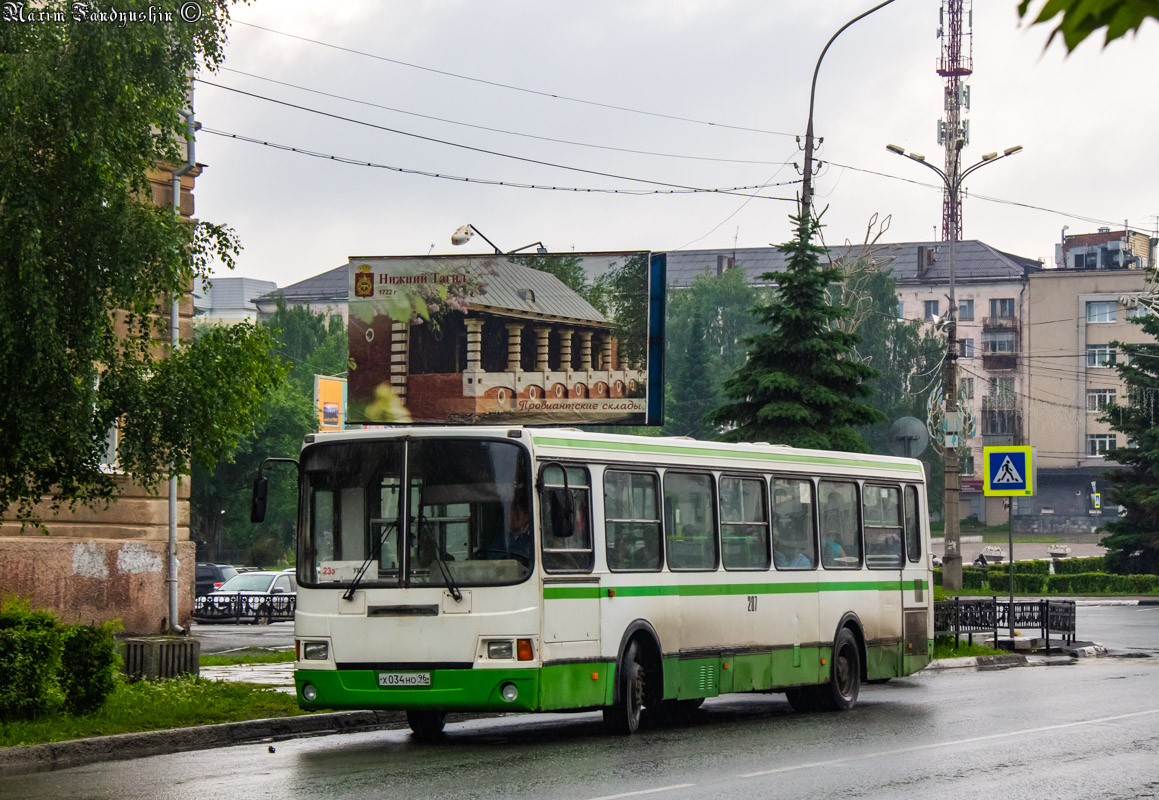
{"x": 1076, "y": 317}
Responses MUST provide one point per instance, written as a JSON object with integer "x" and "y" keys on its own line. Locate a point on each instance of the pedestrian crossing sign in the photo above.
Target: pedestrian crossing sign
{"x": 1009, "y": 471}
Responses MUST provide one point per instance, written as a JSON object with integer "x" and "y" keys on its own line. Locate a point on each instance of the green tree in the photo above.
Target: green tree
{"x": 625, "y": 287}
{"x": 1081, "y": 18}
{"x": 307, "y": 344}
{"x": 801, "y": 383}
{"x": 1133, "y": 541}
{"x": 87, "y": 260}
{"x": 706, "y": 323}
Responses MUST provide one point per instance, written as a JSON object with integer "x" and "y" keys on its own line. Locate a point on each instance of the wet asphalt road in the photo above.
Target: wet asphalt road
{"x": 1088, "y": 730}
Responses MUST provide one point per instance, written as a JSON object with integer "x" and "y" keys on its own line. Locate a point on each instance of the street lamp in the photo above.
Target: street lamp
{"x": 463, "y": 234}
{"x": 952, "y": 560}
{"x": 807, "y": 172}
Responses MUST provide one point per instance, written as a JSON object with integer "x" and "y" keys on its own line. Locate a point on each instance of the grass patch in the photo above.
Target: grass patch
{"x": 944, "y": 647}
{"x": 248, "y": 655}
{"x": 157, "y": 705}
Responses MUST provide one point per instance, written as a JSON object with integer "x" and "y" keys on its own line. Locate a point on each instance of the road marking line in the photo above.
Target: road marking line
{"x": 956, "y": 742}
{"x": 643, "y": 791}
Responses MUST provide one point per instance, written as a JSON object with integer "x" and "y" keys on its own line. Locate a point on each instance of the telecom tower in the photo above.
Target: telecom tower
{"x": 956, "y": 63}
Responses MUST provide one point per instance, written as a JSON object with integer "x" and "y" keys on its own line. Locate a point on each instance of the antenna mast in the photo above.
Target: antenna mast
{"x": 956, "y": 63}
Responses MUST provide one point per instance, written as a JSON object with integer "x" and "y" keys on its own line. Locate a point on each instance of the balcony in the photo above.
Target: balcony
{"x": 1000, "y": 324}
{"x": 998, "y": 361}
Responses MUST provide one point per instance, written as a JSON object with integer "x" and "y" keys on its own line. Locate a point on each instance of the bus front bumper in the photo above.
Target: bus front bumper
{"x": 449, "y": 690}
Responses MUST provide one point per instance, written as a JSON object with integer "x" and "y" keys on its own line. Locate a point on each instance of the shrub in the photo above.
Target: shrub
{"x": 1024, "y": 583}
{"x": 1076, "y": 566}
{"x": 89, "y": 663}
{"x": 973, "y": 578}
{"x": 45, "y": 665}
{"x": 29, "y": 661}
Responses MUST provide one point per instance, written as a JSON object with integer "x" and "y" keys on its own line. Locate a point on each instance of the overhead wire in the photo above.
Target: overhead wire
{"x": 511, "y": 87}
{"x": 445, "y": 142}
{"x": 496, "y": 130}
{"x": 734, "y": 190}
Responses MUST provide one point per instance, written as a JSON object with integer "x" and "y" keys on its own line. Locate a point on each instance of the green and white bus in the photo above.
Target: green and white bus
{"x": 656, "y": 572}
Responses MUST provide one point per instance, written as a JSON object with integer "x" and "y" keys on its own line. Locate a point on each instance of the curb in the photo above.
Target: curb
{"x": 982, "y": 662}
{"x": 26, "y": 759}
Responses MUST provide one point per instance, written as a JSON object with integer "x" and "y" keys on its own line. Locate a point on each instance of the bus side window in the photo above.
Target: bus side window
{"x": 794, "y": 534}
{"x": 882, "y": 527}
{"x": 690, "y": 528}
{"x": 632, "y": 520}
{"x": 840, "y": 537}
{"x": 572, "y": 553}
{"x": 744, "y": 523}
{"x": 913, "y": 533}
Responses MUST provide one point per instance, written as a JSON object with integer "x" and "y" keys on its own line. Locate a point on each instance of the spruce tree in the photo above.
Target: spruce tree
{"x": 801, "y": 383}
{"x": 1133, "y": 541}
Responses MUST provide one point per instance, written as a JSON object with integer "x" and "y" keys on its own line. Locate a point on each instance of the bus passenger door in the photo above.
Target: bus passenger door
{"x": 571, "y": 593}
{"x": 916, "y": 587}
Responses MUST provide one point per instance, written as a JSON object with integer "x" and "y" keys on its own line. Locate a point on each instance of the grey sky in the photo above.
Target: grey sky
{"x": 1087, "y": 122}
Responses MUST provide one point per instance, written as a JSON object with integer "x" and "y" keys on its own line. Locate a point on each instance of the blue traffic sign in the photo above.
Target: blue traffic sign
{"x": 1009, "y": 471}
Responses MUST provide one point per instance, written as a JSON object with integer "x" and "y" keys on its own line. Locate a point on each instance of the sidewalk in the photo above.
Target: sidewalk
{"x": 279, "y": 675}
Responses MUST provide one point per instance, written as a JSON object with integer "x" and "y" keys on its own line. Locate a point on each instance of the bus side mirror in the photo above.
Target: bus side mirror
{"x": 261, "y": 488}
{"x": 560, "y": 511}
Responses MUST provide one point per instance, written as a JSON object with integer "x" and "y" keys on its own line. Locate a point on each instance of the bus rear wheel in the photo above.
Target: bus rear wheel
{"x": 624, "y": 716}
{"x": 427, "y": 726}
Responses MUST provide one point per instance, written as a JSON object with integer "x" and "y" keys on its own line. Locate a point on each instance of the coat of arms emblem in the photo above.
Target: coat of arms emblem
{"x": 364, "y": 281}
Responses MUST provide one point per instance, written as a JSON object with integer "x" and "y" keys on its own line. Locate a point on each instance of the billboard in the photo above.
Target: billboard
{"x": 572, "y": 338}
{"x": 330, "y": 402}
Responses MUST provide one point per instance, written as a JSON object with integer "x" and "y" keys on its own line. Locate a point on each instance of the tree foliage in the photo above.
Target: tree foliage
{"x": 706, "y": 323}
{"x": 1133, "y": 541}
{"x": 87, "y": 260}
{"x": 1081, "y": 18}
{"x": 307, "y": 344}
{"x": 801, "y": 383}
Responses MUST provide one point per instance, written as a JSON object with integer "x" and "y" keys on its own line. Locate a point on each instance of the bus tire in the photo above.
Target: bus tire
{"x": 623, "y": 717}
{"x": 845, "y": 672}
{"x": 427, "y": 726}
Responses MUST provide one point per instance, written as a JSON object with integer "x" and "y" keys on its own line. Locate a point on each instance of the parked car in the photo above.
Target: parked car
{"x": 211, "y": 576}
{"x": 260, "y": 597}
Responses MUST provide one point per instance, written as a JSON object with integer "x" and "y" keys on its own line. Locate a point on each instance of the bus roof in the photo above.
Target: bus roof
{"x": 570, "y": 443}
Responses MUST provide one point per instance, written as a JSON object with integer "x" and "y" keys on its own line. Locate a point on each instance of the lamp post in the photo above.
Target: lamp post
{"x": 463, "y": 234}
{"x": 807, "y": 172}
{"x": 952, "y": 559}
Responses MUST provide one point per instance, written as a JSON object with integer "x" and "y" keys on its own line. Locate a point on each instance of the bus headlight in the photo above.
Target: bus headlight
{"x": 501, "y": 649}
{"x": 309, "y": 692}
{"x": 315, "y": 651}
{"x": 509, "y": 692}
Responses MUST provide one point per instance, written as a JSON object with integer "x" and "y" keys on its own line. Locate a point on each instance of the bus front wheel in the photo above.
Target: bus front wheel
{"x": 623, "y": 717}
{"x": 840, "y": 693}
{"x": 427, "y": 726}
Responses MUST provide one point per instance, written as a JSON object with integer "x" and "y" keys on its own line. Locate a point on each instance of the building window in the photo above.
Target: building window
{"x": 965, "y": 309}
{"x": 1101, "y": 311}
{"x": 965, "y": 348}
{"x": 998, "y": 341}
{"x": 931, "y": 309}
{"x": 966, "y": 465}
{"x": 1099, "y": 444}
{"x": 1003, "y": 387}
{"x": 967, "y": 386}
{"x": 900, "y": 309}
{"x": 1100, "y": 355}
{"x": 1138, "y": 311}
{"x": 1002, "y": 307}
{"x": 1086, "y": 260}
{"x": 1097, "y": 398}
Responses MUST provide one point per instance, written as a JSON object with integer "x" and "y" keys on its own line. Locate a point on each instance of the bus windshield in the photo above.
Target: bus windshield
{"x": 464, "y": 521}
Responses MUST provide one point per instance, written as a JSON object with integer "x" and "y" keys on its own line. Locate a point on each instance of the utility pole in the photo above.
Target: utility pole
{"x": 807, "y": 172}
{"x": 952, "y": 420}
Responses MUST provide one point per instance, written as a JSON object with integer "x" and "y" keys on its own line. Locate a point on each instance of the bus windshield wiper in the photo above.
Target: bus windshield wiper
{"x": 386, "y": 529}
{"x": 452, "y": 587}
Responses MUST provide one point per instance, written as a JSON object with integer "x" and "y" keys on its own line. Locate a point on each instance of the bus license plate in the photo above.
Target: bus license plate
{"x": 403, "y": 679}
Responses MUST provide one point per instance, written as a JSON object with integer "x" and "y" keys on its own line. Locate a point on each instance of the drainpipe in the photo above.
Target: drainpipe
{"x": 175, "y": 341}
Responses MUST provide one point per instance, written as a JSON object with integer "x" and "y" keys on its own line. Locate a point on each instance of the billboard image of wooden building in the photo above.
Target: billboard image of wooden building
{"x": 486, "y": 338}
